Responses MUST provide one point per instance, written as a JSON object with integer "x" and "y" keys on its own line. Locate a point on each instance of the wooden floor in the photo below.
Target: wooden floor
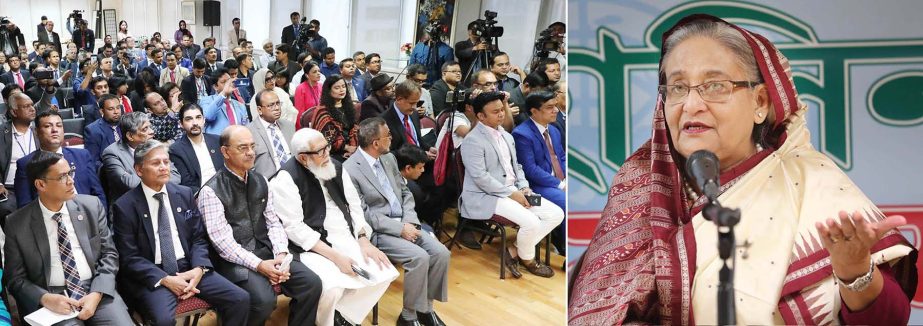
{"x": 477, "y": 296}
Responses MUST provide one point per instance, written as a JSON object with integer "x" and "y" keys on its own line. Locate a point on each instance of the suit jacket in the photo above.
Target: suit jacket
{"x": 188, "y": 89}
{"x": 28, "y": 257}
{"x": 54, "y": 39}
{"x": 125, "y": 72}
{"x": 532, "y": 151}
{"x": 464, "y": 51}
{"x": 374, "y": 203}
{"x": 265, "y": 151}
{"x": 484, "y": 174}
{"x": 7, "y": 77}
{"x": 397, "y": 128}
{"x": 119, "y": 173}
{"x": 133, "y": 234}
{"x": 6, "y": 148}
{"x": 15, "y": 38}
{"x": 145, "y": 64}
{"x": 234, "y": 38}
{"x": 289, "y": 37}
{"x": 85, "y": 180}
{"x": 209, "y": 71}
{"x": 359, "y": 85}
{"x": 180, "y": 74}
{"x": 518, "y": 99}
{"x": 96, "y": 137}
{"x": 216, "y": 115}
{"x": 438, "y": 94}
{"x": 182, "y": 155}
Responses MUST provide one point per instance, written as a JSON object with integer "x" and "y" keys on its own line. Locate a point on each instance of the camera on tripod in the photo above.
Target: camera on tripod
{"x": 546, "y": 41}
{"x": 435, "y": 29}
{"x": 486, "y": 28}
{"x": 76, "y": 15}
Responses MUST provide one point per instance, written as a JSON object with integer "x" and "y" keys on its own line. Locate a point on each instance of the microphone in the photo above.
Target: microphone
{"x": 702, "y": 166}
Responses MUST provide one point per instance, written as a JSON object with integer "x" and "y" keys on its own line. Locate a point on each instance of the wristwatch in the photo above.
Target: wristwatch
{"x": 860, "y": 283}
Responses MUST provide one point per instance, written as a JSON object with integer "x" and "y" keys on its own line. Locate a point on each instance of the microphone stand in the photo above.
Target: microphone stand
{"x": 725, "y": 219}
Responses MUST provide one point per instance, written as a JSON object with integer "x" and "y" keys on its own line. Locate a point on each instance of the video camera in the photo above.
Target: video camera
{"x": 547, "y": 41}
{"x": 4, "y": 21}
{"x": 486, "y": 28}
{"x": 76, "y": 15}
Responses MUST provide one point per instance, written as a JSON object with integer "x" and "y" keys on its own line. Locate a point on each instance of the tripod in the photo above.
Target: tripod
{"x": 482, "y": 58}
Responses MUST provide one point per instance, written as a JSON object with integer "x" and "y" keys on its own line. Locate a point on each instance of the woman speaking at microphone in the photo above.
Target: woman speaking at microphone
{"x": 812, "y": 248}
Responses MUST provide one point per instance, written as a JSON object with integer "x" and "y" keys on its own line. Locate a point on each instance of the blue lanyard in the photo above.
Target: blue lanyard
{"x": 31, "y": 142}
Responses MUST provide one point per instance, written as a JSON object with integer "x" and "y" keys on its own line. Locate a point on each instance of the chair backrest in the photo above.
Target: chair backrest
{"x": 74, "y": 126}
{"x": 66, "y": 113}
{"x": 441, "y": 120}
{"x": 427, "y": 122}
{"x": 86, "y": 108}
{"x": 307, "y": 117}
{"x": 73, "y": 140}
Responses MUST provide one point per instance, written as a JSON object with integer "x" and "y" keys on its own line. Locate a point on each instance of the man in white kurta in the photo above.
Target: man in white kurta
{"x": 330, "y": 232}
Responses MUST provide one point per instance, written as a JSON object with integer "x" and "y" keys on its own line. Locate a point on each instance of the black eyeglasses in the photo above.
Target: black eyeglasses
{"x": 322, "y": 152}
{"x": 63, "y": 178}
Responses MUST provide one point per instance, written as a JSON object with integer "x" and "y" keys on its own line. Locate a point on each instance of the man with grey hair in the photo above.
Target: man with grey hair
{"x": 17, "y": 139}
{"x": 389, "y": 209}
{"x": 174, "y": 265}
{"x": 118, "y": 159}
{"x": 326, "y": 227}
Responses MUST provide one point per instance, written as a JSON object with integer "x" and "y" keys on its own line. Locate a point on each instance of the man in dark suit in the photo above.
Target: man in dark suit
{"x": 84, "y": 36}
{"x": 451, "y": 76}
{"x": 117, "y": 159}
{"x": 197, "y": 85}
{"x": 50, "y": 36}
{"x": 17, "y": 139}
{"x": 14, "y": 38}
{"x": 541, "y": 153}
{"x": 291, "y": 32}
{"x": 167, "y": 270}
{"x": 16, "y": 75}
{"x": 403, "y": 120}
{"x": 197, "y": 156}
{"x": 49, "y": 127}
{"x": 533, "y": 82}
{"x": 103, "y": 132}
{"x": 60, "y": 255}
{"x": 467, "y": 51}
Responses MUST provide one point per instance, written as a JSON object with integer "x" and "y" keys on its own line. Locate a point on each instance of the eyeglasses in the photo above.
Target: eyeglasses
{"x": 322, "y": 152}
{"x": 453, "y": 71}
{"x": 385, "y": 136}
{"x": 275, "y": 104}
{"x": 487, "y": 84}
{"x": 63, "y": 178}
{"x": 714, "y": 91}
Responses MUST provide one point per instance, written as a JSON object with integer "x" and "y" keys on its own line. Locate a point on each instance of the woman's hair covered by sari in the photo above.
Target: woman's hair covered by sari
{"x": 640, "y": 263}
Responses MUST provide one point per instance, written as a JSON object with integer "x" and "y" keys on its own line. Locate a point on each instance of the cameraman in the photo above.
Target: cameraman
{"x": 315, "y": 40}
{"x": 45, "y": 92}
{"x": 466, "y": 51}
{"x": 422, "y": 54}
{"x": 10, "y": 37}
{"x": 84, "y": 36}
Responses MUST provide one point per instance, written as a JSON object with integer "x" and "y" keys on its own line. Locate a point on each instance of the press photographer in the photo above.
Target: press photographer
{"x": 475, "y": 52}
{"x": 423, "y": 53}
{"x": 83, "y": 35}
{"x": 10, "y": 36}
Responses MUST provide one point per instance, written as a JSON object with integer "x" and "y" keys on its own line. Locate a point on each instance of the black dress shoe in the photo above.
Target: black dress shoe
{"x": 404, "y": 322}
{"x": 430, "y": 319}
{"x": 338, "y": 320}
{"x": 467, "y": 240}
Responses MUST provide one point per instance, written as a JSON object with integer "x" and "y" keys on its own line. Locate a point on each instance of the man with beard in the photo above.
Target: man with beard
{"x": 45, "y": 93}
{"x": 328, "y": 231}
{"x": 271, "y": 134}
{"x": 381, "y": 94}
{"x": 451, "y": 76}
{"x": 389, "y": 209}
{"x": 49, "y": 129}
{"x": 103, "y": 132}
{"x": 197, "y": 156}
{"x": 240, "y": 216}
{"x": 163, "y": 119}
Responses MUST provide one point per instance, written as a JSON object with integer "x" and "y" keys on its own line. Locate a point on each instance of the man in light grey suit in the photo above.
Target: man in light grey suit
{"x": 60, "y": 255}
{"x": 117, "y": 170}
{"x": 272, "y": 136}
{"x": 389, "y": 209}
{"x": 496, "y": 184}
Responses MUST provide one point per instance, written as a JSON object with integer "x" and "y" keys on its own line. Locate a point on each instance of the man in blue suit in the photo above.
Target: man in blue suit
{"x": 220, "y": 109}
{"x": 348, "y": 72}
{"x": 160, "y": 237}
{"x": 541, "y": 153}
{"x": 197, "y": 156}
{"x": 103, "y": 132}
{"x": 49, "y": 128}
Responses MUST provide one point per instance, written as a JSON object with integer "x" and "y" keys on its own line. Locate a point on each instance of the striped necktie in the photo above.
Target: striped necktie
{"x": 277, "y": 144}
{"x": 71, "y": 276}
{"x": 167, "y": 253}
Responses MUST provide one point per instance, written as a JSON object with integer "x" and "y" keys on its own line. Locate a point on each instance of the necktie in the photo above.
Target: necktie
{"x": 167, "y": 255}
{"x": 277, "y": 144}
{"x": 200, "y": 87}
{"x": 172, "y": 77}
{"x": 126, "y": 104}
{"x": 19, "y": 80}
{"x": 555, "y": 164}
{"x": 408, "y": 131}
{"x": 230, "y": 112}
{"x": 71, "y": 276}
{"x": 238, "y": 97}
{"x": 116, "y": 134}
{"x": 396, "y": 209}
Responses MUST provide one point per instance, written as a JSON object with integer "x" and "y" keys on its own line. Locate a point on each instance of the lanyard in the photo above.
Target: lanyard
{"x": 31, "y": 142}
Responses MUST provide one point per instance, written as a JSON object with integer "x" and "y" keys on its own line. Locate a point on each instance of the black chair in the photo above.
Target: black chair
{"x": 66, "y": 113}
{"x": 73, "y": 132}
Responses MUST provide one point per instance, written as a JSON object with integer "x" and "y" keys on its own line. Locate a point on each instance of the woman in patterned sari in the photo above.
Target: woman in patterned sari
{"x": 817, "y": 251}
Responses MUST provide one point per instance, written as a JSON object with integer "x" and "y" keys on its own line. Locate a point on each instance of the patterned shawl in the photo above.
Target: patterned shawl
{"x": 650, "y": 258}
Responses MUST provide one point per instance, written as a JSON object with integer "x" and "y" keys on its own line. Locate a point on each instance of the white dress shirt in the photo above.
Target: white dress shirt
{"x": 153, "y": 206}
{"x": 206, "y": 167}
{"x": 56, "y": 278}
{"x": 272, "y": 146}
{"x": 506, "y": 159}
{"x": 23, "y": 144}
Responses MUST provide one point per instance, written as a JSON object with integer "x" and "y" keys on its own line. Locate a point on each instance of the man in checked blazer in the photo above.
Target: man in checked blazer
{"x": 389, "y": 209}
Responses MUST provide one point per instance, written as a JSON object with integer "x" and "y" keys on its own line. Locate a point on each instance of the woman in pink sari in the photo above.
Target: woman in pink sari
{"x": 818, "y": 250}
{"x": 308, "y": 93}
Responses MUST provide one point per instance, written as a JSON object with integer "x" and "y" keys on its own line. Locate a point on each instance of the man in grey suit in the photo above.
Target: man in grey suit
{"x": 117, "y": 170}
{"x": 496, "y": 184}
{"x": 389, "y": 209}
{"x": 272, "y": 136}
{"x": 60, "y": 255}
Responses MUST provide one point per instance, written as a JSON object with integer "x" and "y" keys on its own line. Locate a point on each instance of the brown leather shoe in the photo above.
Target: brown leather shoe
{"x": 538, "y": 269}
{"x": 512, "y": 265}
